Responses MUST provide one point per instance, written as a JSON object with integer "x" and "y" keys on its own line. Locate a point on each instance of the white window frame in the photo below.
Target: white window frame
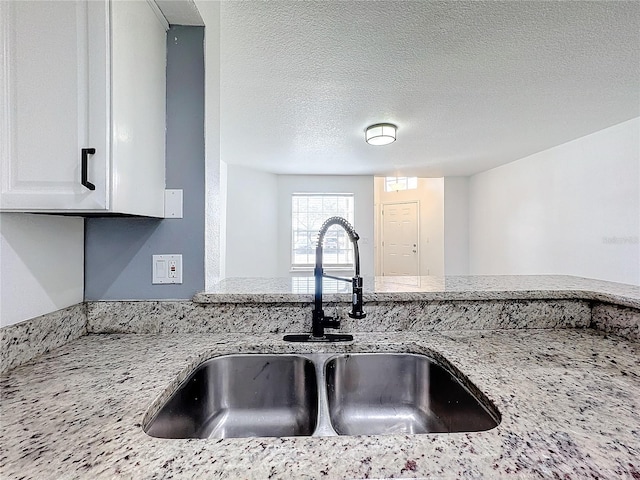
{"x": 303, "y": 241}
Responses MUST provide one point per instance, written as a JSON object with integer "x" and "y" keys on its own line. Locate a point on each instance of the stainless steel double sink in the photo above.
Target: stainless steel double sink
{"x": 322, "y": 394}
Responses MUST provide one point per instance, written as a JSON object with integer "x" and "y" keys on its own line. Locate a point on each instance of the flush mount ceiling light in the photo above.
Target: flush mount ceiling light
{"x": 381, "y": 134}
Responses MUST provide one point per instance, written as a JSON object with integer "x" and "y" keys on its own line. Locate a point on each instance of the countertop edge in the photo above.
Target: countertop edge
{"x": 295, "y": 298}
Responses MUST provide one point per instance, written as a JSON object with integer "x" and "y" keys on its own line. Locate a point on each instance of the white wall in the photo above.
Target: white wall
{"x": 214, "y": 198}
{"x": 220, "y": 229}
{"x": 252, "y": 223}
{"x": 456, "y": 225}
{"x": 430, "y": 196}
{"x": 41, "y": 265}
{"x": 573, "y": 209}
{"x": 360, "y": 186}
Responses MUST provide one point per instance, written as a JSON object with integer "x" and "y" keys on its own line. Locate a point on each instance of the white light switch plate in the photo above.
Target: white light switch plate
{"x": 167, "y": 269}
{"x": 173, "y": 203}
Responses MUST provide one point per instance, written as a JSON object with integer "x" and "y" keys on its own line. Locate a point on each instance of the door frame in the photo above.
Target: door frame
{"x": 381, "y": 238}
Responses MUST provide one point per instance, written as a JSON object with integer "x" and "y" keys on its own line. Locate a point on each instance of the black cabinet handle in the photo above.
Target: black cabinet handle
{"x": 85, "y": 156}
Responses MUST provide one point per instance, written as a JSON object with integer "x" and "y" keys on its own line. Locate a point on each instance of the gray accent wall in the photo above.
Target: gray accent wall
{"x": 118, "y": 251}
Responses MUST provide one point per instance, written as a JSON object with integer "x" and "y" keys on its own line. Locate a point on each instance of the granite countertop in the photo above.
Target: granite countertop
{"x": 569, "y": 400}
{"x": 467, "y": 287}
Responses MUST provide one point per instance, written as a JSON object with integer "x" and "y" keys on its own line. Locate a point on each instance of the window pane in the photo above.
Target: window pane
{"x": 315, "y": 204}
{"x": 308, "y": 213}
{"x": 388, "y": 183}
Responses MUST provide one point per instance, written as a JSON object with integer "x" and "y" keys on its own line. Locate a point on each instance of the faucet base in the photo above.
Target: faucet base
{"x": 329, "y": 337}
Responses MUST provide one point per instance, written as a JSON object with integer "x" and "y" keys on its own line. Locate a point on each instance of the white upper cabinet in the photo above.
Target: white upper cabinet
{"x": 76, "y": 76}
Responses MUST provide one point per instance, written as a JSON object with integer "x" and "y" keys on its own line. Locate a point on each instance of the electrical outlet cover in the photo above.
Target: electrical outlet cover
{"x": 167, "y": 269}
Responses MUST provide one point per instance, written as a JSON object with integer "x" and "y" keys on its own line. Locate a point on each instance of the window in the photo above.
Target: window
{"x": 394, "y": 184}
{"x": 308, "y": 212}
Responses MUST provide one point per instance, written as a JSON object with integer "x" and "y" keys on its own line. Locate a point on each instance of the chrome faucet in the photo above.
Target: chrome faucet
{"x": 318, "y": 321}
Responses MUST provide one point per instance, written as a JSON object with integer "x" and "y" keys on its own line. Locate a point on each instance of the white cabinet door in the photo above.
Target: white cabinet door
{"x": 138, "y": 98}
{"x": 52, "y": 52}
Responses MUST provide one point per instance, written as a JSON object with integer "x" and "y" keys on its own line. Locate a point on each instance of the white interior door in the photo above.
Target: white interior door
{"x": 50, "y": 51}
{"x": 400, "y": 233}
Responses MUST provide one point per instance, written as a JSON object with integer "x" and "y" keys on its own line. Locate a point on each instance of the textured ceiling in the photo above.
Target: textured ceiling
{"x": 471, "y": 85}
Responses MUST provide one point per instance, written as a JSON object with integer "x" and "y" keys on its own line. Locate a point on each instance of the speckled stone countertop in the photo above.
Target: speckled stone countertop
{"x": 569, "y": 400}
{"x": 468, "y": 287}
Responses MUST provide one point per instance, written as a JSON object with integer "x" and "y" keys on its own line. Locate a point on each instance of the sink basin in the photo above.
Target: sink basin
{"x": 378, "y": 394}
{"x": 321, "y": 394}
{"x": 242, "y": 396}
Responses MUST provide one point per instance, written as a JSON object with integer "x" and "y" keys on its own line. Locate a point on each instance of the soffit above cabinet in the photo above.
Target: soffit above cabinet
{"x": 180, "y": 12}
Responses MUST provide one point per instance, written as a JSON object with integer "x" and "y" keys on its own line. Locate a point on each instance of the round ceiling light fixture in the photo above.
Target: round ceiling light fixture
{"x": 381, "y": 134}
